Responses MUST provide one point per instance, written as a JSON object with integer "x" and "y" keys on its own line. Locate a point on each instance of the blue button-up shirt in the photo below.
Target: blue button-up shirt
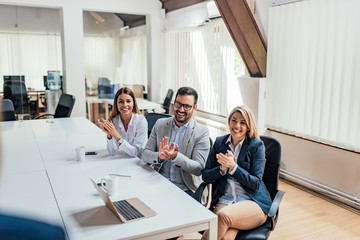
{"x": 168, "y": 169}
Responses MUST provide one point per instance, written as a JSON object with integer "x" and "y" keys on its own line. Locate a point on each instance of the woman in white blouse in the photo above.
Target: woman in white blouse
{"x": 126, "y": 128}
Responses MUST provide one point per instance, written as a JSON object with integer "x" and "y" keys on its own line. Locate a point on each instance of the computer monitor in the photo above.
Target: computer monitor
{"x": 104, "y": 88}
{"x": 14, "y": 78}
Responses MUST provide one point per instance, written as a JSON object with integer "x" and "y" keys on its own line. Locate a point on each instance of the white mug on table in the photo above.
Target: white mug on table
{"x": 110, "y": 184}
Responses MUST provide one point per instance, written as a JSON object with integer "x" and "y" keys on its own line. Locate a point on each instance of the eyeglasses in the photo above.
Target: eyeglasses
{"x": 187, "y": 107}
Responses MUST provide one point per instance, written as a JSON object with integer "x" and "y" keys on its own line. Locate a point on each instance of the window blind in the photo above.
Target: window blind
{"x": 206, "y": 59}
{"x": 312, "y": 85}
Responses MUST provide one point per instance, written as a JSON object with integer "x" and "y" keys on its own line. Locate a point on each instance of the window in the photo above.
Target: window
{"x": 206, "y": 59}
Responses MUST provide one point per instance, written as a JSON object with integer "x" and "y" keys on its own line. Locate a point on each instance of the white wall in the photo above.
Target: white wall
{"x": 72, "y": 34}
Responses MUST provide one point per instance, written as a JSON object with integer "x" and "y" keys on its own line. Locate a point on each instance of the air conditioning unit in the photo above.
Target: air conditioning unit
{"x": 213, "y": 11}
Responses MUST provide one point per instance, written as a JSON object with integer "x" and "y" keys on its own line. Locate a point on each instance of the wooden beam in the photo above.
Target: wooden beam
{"x": 171, "y": 5}
{"x": 245, "y": 33}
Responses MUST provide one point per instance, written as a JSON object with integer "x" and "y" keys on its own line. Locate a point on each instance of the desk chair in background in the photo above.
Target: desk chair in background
{"x": 167, "y": 101}
{"x": 271, "y": 180}
{"x": 7, "y": 112}
{"x": 63, "y": 108}
{"x": 151, "y": 118}
{"x": 15, "y": 90}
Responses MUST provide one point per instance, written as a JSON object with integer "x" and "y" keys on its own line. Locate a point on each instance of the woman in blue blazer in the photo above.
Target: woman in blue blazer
{"x": 235, "y": 166}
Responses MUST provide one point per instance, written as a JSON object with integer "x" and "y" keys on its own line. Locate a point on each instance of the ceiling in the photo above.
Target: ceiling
{"x": 171, "y": 5}
{"x": 132, "y": 20}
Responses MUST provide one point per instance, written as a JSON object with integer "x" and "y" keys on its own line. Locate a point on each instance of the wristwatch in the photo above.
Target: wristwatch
{"x": 120, "y": 141}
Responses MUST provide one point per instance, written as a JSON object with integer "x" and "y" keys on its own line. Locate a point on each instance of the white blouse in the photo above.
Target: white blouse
{"x": 135, "y": 137}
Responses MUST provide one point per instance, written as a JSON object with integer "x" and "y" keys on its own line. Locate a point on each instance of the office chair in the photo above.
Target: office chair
{"x": 63, "y": 108}
{"x": 271, "y": 179}
{"x": 15, "y": 90}
{"x": 167, "y": 100}
{"x": 151, "y": 118}
{"x": 7, "y": 112}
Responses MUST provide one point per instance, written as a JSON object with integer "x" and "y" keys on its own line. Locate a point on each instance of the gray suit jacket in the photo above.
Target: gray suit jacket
{"x": 194, "y": 151}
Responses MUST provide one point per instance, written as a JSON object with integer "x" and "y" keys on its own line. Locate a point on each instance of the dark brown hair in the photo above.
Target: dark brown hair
{"x": 115, "y": 110}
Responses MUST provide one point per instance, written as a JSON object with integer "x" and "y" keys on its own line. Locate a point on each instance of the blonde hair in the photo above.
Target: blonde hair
{"x": 249, "y": 119}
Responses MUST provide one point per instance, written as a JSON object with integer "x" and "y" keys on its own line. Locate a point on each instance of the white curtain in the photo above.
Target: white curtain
{"x": 313, "y": 56}
{"x": 133, "y": 67}
{"x": 102, "y": 57}
{"x": 123, "y": 60}
{"x": 203, "y": 58}
{"x": 31, "y": 55}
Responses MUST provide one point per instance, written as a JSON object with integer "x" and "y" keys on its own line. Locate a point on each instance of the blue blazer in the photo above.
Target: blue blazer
{"x": 15, "y": 228}
{"x": 251, "y": 164}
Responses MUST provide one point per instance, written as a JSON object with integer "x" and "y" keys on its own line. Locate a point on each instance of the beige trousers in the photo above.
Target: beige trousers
{"x": 242, "y": 215}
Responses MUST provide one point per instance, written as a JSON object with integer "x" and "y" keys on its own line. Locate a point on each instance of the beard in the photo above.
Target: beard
{"x": 183, "y": 118}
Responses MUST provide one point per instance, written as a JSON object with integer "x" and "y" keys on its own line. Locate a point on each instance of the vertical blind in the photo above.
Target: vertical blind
{"x": 313, "y": 89}
{"x": 203, "y": 58}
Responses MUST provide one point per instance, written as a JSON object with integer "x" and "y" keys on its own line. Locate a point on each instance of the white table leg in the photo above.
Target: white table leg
{"x": 213, "y": 230}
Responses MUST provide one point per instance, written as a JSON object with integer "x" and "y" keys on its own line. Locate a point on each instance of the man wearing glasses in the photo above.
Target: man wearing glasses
{"x": 178, "y": 146}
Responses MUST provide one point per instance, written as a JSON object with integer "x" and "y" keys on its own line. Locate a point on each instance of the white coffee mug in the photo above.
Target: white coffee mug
{"x": 110, "y": 184}
{"x": 80, "y": 153}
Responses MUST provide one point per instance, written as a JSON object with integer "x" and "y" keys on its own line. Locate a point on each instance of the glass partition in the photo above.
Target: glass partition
{"x": 30, "y": 48}
{"x": 115, "y": 48}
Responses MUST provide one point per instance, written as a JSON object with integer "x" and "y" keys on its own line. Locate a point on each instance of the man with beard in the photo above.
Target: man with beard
{"x": 179, "y": 146}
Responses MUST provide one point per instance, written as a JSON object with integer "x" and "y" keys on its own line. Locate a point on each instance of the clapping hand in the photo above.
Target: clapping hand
{"x": 167, "y": 152}
{"x": 227, "y": 160}
{"x": 109, "y": 128}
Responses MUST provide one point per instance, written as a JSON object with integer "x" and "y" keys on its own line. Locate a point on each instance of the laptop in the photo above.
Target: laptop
{"x": 126, "y": 210}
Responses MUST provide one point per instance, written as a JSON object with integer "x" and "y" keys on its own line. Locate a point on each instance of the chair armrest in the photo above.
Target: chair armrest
{"x": 203, "y": 194}
{"x": 199, "y": 191}
{"x": 44, "y": 115}
{"x": 274, "y": 208}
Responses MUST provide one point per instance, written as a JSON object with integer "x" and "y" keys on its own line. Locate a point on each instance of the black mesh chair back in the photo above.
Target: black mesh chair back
{"x": 7, "y": 112}
{"x": 151, "y": 118}
{"x": 167, "y": 101}
{"x": 64, "y": 106}
{"x": 272, "y": 167}
{"x": 15, "y": 90}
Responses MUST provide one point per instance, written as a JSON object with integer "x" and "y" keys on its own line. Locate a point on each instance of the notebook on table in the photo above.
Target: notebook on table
{"x": 126, "y": 210}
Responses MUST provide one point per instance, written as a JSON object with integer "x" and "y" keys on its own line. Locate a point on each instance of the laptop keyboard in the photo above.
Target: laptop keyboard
{"x": 127, "y": 210}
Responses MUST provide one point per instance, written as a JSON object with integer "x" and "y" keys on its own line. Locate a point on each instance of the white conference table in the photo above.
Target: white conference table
{"x": 79, "y": 207}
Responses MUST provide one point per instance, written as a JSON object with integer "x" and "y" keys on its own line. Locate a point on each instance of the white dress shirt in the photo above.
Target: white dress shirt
{"x": 135, "y": 137}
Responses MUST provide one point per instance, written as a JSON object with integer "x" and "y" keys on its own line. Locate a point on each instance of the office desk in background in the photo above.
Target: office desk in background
{"x": 143, "y": 105}
{"x": 64, "y": 194}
